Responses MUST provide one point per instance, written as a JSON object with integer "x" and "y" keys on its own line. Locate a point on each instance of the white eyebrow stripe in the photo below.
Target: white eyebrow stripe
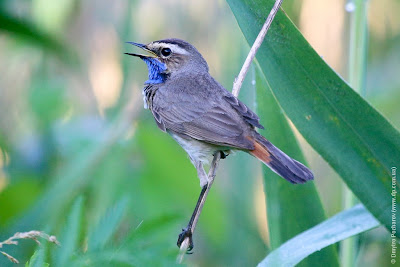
{"x": 175, "y": 48}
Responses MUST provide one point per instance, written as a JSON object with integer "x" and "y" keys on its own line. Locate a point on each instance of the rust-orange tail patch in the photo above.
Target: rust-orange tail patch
{"x": 261, "y": 153}
{"x": 279, "y": 162}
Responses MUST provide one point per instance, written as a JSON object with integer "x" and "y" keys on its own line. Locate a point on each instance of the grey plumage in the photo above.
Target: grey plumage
{"x": 201, "y": 115}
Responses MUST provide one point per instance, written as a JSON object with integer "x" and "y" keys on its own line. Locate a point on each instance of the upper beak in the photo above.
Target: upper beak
{"x": 144, "y": 47}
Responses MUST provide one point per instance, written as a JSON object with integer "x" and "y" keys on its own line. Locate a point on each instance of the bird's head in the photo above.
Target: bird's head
{"x": 169, "y": 57}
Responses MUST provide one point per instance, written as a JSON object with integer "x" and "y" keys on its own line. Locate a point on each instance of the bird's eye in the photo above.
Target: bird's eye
{"x": 166, "y": 52}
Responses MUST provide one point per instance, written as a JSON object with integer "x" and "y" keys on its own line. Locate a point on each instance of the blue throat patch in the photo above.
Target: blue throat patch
{"x": 156, "y": 70}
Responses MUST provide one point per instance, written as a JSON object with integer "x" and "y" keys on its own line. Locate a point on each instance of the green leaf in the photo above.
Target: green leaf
{"x": 30, "y": 33}
{"x": 107, "y": 226}
{"x": 70, "y": 235}
{"x": 341, "y": 226}
{"x": 37, "y": 259}
{"x": 355, "y": 139}
{"x": 26, "y": 191}
{"x": 291, "y": 209}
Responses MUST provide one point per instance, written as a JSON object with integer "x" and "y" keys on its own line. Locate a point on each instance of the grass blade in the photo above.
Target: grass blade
{"x": 38, "y": 258}
{"x": 107, "y": 226}
{"x": 355, "y": 139}
{"x": 341, "y": 226}
{"x": 291, "y": 209}
{"x": 70, "y": 237}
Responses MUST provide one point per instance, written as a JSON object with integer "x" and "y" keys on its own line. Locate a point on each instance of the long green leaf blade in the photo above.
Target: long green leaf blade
{"x": 291, "y": 209}
{"x": 341, "y": 226}
{"x": 70, "y": 235}
{"x": 107, "y": 226}
{"x": 355, "y": 139}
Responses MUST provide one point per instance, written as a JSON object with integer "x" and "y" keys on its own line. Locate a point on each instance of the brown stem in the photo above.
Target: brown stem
{"x": 237, "y": 84}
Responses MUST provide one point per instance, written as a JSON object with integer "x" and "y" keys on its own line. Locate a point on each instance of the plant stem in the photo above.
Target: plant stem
{"x": 356, "y": 71}
{"x": 237, "y": 84}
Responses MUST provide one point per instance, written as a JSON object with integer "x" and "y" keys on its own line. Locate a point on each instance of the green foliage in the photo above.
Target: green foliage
{"x": 37, "y": 259}
{"x": 355, "y": 139}
{"x": 291, "y": 209}
{"x": 42, "y": 99}
{"x": 70, "y": 234}
{"x": 29, "y": 189}
{"x": 105, "y": 243}
{"x": 28, "y": 32}
{"x": 106, "y": 227}
{"x": 115, "y": 190}
{"x": 341, "y": 226}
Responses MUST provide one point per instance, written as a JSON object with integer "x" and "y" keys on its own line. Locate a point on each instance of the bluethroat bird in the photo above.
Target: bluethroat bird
{"x": 202, "y": 116}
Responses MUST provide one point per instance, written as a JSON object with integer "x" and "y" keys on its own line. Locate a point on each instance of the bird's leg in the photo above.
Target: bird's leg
{"x": 188, "y": 231}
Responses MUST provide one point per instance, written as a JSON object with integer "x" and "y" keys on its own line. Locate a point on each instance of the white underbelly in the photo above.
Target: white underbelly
{"x": 197, "y": 150}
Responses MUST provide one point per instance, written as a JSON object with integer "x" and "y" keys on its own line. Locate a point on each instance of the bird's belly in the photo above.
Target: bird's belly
{"x": 197, "y": 150}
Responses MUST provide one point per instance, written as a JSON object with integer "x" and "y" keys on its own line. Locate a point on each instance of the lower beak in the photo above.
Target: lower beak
{"x": 144, "y": 47}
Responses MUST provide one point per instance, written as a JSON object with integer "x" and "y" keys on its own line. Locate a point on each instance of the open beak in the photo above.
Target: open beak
{"x": 152, "y": 54}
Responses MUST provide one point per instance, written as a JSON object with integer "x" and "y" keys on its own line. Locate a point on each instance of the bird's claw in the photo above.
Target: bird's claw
{"x": 186, "y": 233}
{"x": 223, "y": 154}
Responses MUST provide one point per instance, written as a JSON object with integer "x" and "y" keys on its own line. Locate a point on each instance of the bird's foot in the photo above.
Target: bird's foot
{"x": 224, "y": 154}
{"x": 186, "y": 233}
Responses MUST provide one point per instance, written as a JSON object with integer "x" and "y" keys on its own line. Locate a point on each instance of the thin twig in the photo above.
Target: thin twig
{"x": 211, "y": 175}
{"x": 237, "y": 84}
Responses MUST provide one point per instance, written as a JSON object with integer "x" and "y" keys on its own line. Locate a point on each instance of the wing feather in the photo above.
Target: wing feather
{"x": 212, "y": 116}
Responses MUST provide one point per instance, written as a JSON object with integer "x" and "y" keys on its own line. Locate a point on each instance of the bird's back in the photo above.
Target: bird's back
{"x": 196, "y": 105}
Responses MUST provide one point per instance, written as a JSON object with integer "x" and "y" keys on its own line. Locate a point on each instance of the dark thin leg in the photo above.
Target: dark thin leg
{"x": 187, "y": 232}
{"x": 185, "y": 241}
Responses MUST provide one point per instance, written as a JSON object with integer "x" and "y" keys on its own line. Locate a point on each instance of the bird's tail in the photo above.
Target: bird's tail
{"x": 279, "y": 162}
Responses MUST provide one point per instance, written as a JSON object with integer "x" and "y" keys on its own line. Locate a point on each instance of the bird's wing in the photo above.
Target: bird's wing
{"x": 243, "y": 110}
{"x": 213, "y": 117}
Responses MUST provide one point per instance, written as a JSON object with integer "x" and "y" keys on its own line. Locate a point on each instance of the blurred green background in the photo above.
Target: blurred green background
{"x": 74, "y": 136}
